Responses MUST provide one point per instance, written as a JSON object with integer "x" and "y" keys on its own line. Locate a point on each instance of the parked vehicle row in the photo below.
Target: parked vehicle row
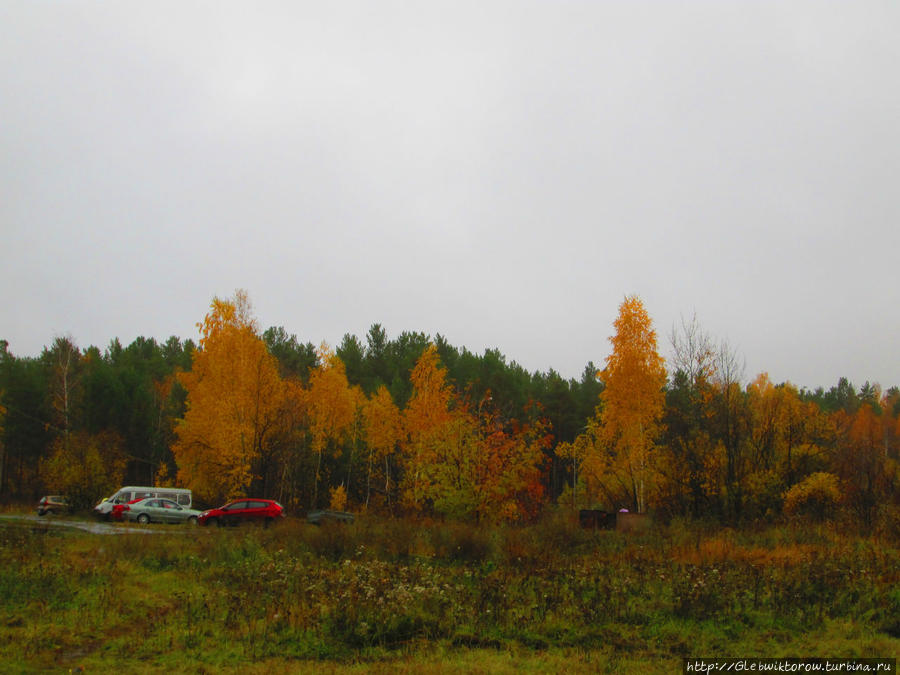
{"x": 153, "y": 510}
{"x": 171, "y": 505}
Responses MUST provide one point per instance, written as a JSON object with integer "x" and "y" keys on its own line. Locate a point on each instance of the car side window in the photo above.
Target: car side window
{"x": 184, "y": 500}
{"x": 257, "y": 505}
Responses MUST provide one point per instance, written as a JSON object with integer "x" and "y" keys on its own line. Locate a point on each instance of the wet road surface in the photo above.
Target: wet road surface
{"x": 94, "y": 527}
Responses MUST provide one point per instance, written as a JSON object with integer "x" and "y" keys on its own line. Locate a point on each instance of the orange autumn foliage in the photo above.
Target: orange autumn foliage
{"x": 426, "y": 419}
{"x": 331, "y": 405}
{"x": 234, "y": 401}
{"x": 633, "y": 400}
{"x": 510, "y": 472}
{"x": 467, "y": 464}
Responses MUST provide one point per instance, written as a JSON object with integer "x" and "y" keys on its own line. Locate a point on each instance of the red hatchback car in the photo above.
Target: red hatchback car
{"x": 263, "y": 511}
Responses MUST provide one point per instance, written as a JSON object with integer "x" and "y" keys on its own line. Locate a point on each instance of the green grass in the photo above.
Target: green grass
{"x": 387, "y": 595}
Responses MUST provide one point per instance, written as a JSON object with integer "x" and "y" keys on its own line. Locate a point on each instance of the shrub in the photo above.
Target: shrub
{"x": 815, "y": 496}
{"x": 461, "y": 542}
{"x": 763, "y": 499}
{"x": 83, "y": 466}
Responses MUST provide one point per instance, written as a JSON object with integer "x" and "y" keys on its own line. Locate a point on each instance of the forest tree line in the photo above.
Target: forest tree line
{"x": 415, "y": 425}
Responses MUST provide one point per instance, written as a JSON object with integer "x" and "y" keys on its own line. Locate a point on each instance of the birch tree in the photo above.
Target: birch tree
{"x": 634, "y": 399}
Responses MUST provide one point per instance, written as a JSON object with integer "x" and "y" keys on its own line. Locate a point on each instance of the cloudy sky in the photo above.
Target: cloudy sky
{"x": 502, "y": 173}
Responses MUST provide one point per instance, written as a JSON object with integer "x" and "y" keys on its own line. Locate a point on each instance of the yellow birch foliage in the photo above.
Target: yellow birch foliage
{"x": 424, "y": 419}
{"x": 782, "y": 439}
{"x": 331, "y": 406}
{"x": 449, "y": 477}
{"x": 293, "y": 449}
{"x": 383, "y": 422}
{"x": 590, "y": 467}
{"x": 234, "y": 401}
{"x": 331, "y": 402}
{"x": 384, "y": 429}
{"x": 766, "y": 407}
{"x": 338, "y": 498}
{"x": 633, "y": 400}
{"x": 161, "y": 478}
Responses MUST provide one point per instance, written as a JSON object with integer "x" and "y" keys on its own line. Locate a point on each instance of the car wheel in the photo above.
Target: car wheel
{"x": 192, "y": 520}
{"x": 214, "y": 521}
{"x": 143, "y": 519}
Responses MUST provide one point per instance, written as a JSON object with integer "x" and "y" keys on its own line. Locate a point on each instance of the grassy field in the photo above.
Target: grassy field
{"x": 389, "y": 596}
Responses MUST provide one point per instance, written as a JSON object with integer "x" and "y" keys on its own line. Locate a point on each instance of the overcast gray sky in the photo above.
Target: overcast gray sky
{"x": 502, "y": 173}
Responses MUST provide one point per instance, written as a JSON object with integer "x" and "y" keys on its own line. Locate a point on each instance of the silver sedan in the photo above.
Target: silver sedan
{"x": 155, "y": 510}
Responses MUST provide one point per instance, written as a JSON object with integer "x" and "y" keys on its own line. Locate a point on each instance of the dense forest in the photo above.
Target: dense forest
{"x": 413, "y": 424}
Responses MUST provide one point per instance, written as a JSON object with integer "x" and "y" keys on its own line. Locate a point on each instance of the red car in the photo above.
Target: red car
{"x": 118, "y": 510}
{"x": 263, "y": 511}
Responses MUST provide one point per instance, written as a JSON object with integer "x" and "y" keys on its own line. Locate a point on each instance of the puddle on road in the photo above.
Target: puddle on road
{"x": 47, "y": 522}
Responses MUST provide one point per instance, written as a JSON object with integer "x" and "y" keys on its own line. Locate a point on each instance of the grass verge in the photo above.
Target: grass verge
{"x": 432, "y": 597}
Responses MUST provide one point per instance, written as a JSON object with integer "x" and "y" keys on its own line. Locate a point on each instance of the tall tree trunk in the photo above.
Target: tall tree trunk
{"x": 315, "y": 499}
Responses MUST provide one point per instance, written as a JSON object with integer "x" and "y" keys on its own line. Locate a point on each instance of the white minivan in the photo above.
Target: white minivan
{"x": 180, "y": 495}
